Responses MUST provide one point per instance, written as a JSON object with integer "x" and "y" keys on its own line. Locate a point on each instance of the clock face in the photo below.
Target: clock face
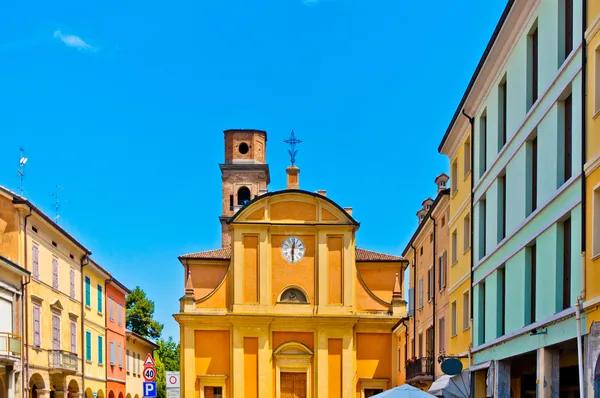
{"x": 293, "y": 249}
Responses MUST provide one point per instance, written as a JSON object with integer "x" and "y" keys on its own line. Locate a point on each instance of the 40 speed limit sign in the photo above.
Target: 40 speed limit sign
{"x": 149, "y": 374}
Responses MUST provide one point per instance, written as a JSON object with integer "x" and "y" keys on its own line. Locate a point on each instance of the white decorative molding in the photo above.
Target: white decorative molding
{"x": 593, "y": 28}
{"x": 591, "y": 164}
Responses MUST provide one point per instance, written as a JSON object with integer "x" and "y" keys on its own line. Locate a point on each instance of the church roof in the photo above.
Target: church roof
{"x": 224, "y": 253}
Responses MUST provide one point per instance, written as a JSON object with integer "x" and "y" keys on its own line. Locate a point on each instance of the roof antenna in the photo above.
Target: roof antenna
{"x": 57, "y": 204}
{"x": 21, "y": 171}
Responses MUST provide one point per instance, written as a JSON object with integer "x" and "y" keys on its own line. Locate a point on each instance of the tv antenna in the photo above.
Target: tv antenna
{"x": 21, "y": 171}
{"x": 57, "y": 201}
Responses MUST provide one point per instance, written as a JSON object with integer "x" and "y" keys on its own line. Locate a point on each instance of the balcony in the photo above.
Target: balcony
{"x": 420, "y": 370}
{"x": 62, "y": 361}
{"x": 10, "y": 347}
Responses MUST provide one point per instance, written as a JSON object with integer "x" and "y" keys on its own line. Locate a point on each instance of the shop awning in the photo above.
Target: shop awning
{"x": 457, "y": 386}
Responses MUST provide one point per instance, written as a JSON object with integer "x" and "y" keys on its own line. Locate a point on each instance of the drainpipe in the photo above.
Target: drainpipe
{"x": 83, "y": 263}
{"x": 415, "y": 300}
{"x": 581, "y": 298}
{"x": 23, "y": 330}
{"x": 433, "y": 292}
{"x": 25, "y": 341}
{"x": 471, "y": 254}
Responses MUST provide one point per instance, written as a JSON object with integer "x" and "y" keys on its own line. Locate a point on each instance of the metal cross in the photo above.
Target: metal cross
{"x": 292, "y": 142}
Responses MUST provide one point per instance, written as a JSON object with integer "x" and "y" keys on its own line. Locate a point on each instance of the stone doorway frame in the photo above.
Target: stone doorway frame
{"x": 293, "y": 357}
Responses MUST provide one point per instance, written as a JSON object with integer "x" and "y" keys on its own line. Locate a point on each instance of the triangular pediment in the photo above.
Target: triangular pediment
{"x": 56, "y": 306}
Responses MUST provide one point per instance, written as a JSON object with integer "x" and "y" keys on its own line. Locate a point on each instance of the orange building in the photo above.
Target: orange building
{"x": 116, "y": 377}
{"x": 288, "y": 307}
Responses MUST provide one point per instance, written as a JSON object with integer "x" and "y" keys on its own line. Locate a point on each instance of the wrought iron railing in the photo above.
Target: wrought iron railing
{"x": 419, "y": 368}
{"x": 62, "y": 360}
{"x": 10, "y": 344}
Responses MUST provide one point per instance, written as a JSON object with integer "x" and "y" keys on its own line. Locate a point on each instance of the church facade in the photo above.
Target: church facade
{"x": 288, "y": 306}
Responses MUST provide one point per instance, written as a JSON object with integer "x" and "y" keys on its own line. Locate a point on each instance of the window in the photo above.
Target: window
{"x": 443, "y": 221}
{"x": 113, "y": 354}
{"x": 466, "y": 310}
{"x": 467, "y": 233}
{"x": 120, "y": 353}
{"x": 100, "y": 350}
{"x": 88, "y": 346}
{"x": 138, "y": 364}
{"x": 111, "y": 311}
{"x": 73, "y": 337}
{"x": 454, "y": 178}
{"x": 467, "y": 157}
{"x": 482, "y": 229}
{"x": 99, "y": 288}
{"x": 54, "y": 272}
{"x": 502, "y": 114}
{"x": 481, "y": 312}
{"x": 430, "y": 283}
{"x": 533, "y": 175}
{"x": 420, "y": 293}
{"x": 482, "y": 143}
{"x": 421, "y": 251}
{"x": 72, "y": 283}
{"x": 119, "y": 317}
{"x": 597, "y": 80}
{"x": 128, "y": 359}
{"x": 531, "y": 303}
{"x": 454, "y": 247}
{"x": 501, "y": 301}
{"x": 56, "y": 332}
{"x": 501, "y": 208}
{"x": 88, "y": 295}
{"x": 36, "y": 326}
{"x": 566, "y": 276}
{"x": 399, "y": 360}
{"x": 431, "y": 237}
{"x": 429, "y": 342}
{"x": 453, "y": 320}
{"x": 243, "y": 196}
{"x": 35, "y": 256}
{"x": 442, "y": 271}
{"x": 230, "y": 202}
{"x": 532, "y": 66}
{"x": 567, "y": 136}
{"x": 566, "y": 10}
{"x": 420, "y": 345}
{"x": 442, "y": 335}
{"x": 596, "y": 222}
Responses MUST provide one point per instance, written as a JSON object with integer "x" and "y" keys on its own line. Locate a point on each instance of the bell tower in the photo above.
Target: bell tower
{"x": 245, "y": 173}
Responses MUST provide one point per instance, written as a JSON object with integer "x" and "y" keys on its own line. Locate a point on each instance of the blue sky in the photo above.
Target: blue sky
{"x": 123, "y": 104}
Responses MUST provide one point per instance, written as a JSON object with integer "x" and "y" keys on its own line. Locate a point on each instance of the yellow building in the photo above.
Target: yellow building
{"x": 591, "y": 294}
{"x": 456, "y": 145}
{"x": 137, "y": 350}
{"x": 291, "y": 308}
{"x": 94, "y": 299}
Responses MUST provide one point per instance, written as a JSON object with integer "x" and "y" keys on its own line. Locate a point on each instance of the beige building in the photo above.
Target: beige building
{"x": 137, "y": 349}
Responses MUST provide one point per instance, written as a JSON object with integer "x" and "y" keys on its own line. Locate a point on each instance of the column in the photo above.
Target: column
{"x": 42, "y": 393}
{"x": 548, "y": 370}
{"x": 10, "y": 382}
{"x": 60, "y": 393}
{"x": 502, "y": 379}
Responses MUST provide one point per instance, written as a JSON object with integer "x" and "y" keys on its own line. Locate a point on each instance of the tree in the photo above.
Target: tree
{"x": 161, "y": 377}
{"x": 139, "y": 313}
{"x": 168, "y": 350}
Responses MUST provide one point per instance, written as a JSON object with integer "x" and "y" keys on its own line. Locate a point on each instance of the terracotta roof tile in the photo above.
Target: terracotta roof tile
{"x": 225, "y": 254}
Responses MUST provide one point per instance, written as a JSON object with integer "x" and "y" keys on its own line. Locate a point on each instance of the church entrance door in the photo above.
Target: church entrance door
{"x": 293, "y": 385}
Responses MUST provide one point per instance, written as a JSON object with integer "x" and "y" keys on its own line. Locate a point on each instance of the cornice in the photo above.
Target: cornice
{"x": 591, "y": 31}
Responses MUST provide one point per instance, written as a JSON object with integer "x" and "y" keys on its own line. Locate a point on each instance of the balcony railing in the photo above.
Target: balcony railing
{"x": 10, "y": 345}
{"x": 63, "y": 361}
{"x": 420, "y": 369}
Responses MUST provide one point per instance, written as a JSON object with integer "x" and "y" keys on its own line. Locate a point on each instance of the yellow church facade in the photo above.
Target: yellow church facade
{"x": 288, "y": 307}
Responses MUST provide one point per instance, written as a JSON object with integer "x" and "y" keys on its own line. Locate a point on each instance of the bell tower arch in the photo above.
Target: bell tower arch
{"x": 245, "y": 173}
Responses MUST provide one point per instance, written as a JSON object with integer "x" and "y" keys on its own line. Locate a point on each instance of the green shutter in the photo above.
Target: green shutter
{"x": 100, "y": 348}
{"x": 88, "y": 346}
{"x": 88, "y": 299}
{"x": 99, "y": 299}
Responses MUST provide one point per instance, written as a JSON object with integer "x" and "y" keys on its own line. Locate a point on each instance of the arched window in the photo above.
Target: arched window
{"x": 293, "y": 295}
{"x": 243, "y": 196}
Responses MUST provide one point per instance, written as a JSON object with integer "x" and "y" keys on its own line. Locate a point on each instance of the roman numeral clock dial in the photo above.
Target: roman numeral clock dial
{"x": 293, "y": 249}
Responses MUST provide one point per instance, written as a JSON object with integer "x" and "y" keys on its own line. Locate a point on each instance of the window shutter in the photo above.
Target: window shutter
{"x": 88, "y": 346}
{"x": 36, "y": 326}
{"x": 55, "y": 332}
{"x": 55, "y": 272}
{"x": 99, "y": 298}
{"x": 73, "y": 337}
{"x": 411, "y": 302}
{"x": 111, "y": 311}
{"x": 119, "y": 318}
{"x": 88, "y": 298}
{"x": 420, "y": 293}
{"x": 112, "y": 353}
{"x": 36, "y": 261}
{"x": 100, "y": 350}
{"x": 72, "y": 282}
{"x": 120, "y": 353}
{"x": 127, "y": 360}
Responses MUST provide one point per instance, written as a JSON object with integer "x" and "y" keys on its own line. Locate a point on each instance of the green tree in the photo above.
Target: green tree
{"x": 161, "y": 377}
{"x": 168, "y": 350}
{"x": 140, "y": 313}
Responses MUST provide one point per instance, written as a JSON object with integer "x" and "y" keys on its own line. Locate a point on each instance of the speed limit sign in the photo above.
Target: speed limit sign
{"x": 149, "y": 374}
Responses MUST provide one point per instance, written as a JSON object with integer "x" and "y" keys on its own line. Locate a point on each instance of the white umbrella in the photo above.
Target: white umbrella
{"x": 404, "y": 391}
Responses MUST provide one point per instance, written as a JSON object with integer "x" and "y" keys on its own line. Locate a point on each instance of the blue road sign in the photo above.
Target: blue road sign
{"x": 149, "y": 389}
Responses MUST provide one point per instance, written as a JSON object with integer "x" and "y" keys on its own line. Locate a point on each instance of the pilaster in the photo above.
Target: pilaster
{"x": 237, "y": 367}
{"x": 322, "y": 363}
{"x": 548, "y": 368}
{"x": 348, "y": 363}
{"x": 502, "y": 379}
{"x": 188, "y": 367}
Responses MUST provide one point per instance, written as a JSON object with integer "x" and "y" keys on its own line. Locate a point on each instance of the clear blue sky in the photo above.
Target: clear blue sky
{"x": 123, "y": 103}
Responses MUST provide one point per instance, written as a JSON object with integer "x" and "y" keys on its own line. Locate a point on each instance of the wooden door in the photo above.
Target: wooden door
{"x": 292, "y": 385}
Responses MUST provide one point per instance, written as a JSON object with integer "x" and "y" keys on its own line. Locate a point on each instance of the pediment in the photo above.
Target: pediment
{"x": 56, "y": 306}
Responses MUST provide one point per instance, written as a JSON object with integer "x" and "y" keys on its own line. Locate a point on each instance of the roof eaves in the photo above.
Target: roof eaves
{"x": 17, "y": 267}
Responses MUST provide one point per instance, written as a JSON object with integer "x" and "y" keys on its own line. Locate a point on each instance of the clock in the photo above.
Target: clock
{"x": 293, "y": 249}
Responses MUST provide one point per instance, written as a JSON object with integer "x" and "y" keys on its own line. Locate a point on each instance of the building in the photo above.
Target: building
{"x": 137, "y": 349}
{"x": 524, "y": 102}
{"x": 425, "y": 334}
{"x": 94, "y": 329}
{"x": 290, "y": 307}
{"x": 12, "y": 278}
{"x": 456, "y": 145}
{"x": 591, "y": 249}
{"x": 116, "y": 376}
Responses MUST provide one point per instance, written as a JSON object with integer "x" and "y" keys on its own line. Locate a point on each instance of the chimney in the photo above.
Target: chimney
{"x": 293, "y": 176}
{"x": 421, "y": 214}
{"x": 441, "y": 181}
{"x": 322, "y": 192}
{"x": 348, "y": 210}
